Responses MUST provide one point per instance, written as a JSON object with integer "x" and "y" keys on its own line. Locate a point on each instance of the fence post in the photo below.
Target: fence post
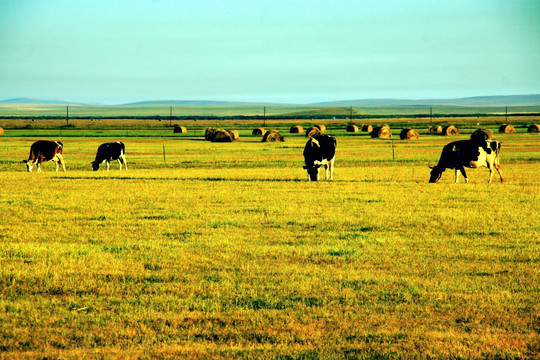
{"x": 164, "y": 153}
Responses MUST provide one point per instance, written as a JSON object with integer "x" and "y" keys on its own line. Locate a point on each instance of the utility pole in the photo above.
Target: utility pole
{"x": 67, "y": 115}
{"x": 430, "y": 115}
{"x": 264, "y": 116}
{"x": 506, "y": 115}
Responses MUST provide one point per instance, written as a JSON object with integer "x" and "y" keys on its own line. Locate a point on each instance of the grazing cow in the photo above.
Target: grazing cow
{"x": 468, "y": 153}
{"x": 320, "y": 150}
{"x": 110, "y": 151}
{"x": 44, "y": 150}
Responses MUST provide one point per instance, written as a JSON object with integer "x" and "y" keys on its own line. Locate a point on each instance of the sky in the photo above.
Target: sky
{"x": 294, "y": 51}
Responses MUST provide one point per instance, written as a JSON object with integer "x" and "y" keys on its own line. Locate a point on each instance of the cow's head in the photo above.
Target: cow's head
{"x": 29, "y": 165}
{"x": 435, "y": 174}
{"x": 95, "y": 165}
{"x": 313, "y": 172}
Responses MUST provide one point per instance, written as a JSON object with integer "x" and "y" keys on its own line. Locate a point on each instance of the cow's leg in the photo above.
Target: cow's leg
{"x": 462, "y": 171}
{"x": 108, "y": 165}
{"x": 38, "y": 165}
{"x": 330, "y": 170}
{"x": 498, "y": 168}
{"x": 60, "y": 158}
{"x": 123, "y": 157}
{"x": 120, "y": 163}
{"x": 490, "y": 168}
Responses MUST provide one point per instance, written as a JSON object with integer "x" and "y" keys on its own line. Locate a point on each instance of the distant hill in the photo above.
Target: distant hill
{"x": 505, "y": 100}
{"x": 196, "y": 103}
{"x": 32, "y": 101}
{"x": 509, "y": 100}
{"x": 330, "y": 111}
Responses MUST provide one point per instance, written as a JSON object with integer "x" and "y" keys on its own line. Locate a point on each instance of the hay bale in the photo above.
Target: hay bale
{"x": 381, "y": 132}
{"x": 209, "y": 134}
{"x": 235, "y": 135}
{"x": 297, "y": 130}
{"x": 179, "y": 129}
{"x": 272, "y": 135}
{"x": 481, "y": 135}
{"x": 435, "y": 129}
{"x": 221, "y": 135}
{"x": 352, "y": 128}
{"x": 258, "y": 131}
{"x": 450, "y": 130}
{"x": 409, "y": 134}
{"x": 321, "y": 128}
{"x": 312, "y": 131}
{"x": 367, "y": 128}
{"x": 1, "y": 131}
{"x": 533, "y": 128}
{"x": 505, "y": 128}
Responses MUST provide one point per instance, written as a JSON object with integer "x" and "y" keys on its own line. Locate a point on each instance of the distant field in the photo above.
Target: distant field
{"x": 204, "y": 250}
{"x": 36, "y": 110}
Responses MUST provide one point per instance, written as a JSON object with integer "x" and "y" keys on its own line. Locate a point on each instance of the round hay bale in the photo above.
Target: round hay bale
{"x": 321, "y": 128}
{"x": 352, "y": 128}
{"x": 409, "y": 134}
{"x": 450, "y": 130}
{"x": 297, "y": 130}
{"x": 209, "y": 133}
{"x": 235, "y": 135}
{"x": 221, "y": 135}
{"x": 481, "y": 135}
{"x": 180, "y": 129}
{"x": 1, "y": 131}
{"x": 272, "y": 135}
{"x": 533, "y": 128}
{"x": 258, "y": 131}
{"x": 381, "y": 132}
{"x": 505, "y": 128}
{"x": 435, "y": 129}
{"x": 312, "y": 131}
{"x": 367, "y": 128}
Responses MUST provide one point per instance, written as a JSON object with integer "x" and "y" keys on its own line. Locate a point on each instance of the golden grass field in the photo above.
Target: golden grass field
{"x": 225, "y": 251}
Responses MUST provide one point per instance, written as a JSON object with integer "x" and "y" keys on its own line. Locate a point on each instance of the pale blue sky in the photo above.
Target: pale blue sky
{"x": 295, "y": 51}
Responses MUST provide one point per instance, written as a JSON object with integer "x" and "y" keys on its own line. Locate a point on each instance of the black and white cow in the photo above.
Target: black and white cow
{"x": 110, "y": 151}
{"x": 320, "y": 150}
{"x": 468, "y": 153}
{"x": 44, "y": 150}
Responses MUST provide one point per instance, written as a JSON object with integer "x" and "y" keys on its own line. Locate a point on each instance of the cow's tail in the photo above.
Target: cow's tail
{"x": 498, "y": 150}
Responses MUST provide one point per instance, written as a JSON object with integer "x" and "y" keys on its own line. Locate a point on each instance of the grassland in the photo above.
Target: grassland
{"x": 225, "y": 251}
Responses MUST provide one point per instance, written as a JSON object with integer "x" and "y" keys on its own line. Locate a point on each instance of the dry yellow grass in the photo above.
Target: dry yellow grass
{"x": 224, "y": 251}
